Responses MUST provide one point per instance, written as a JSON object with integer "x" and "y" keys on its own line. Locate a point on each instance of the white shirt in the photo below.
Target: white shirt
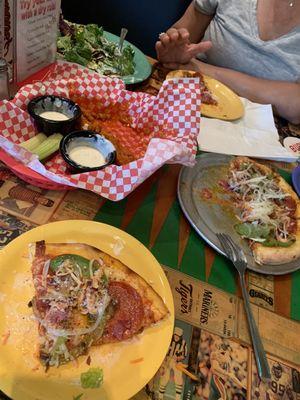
{"x": 237, "y": 45}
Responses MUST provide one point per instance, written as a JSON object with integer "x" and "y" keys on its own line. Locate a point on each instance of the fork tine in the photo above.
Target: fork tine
{"x": 226, "y": 245}
{"x": 221, "y": 240}
{"x": 232, "y": 244}
{"x": 237, "y": 249}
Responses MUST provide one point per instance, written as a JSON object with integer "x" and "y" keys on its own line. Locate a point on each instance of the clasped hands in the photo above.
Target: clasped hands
{"x": 175, "y": 51}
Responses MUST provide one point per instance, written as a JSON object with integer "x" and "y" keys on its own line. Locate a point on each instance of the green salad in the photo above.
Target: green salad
{"x": 86, "y": 45}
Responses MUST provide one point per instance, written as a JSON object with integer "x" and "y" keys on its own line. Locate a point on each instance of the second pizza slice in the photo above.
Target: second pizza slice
{"x": 84, "y": 297}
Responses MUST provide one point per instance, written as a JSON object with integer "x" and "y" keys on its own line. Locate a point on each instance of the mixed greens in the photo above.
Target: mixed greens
{"x": 86, "y": 45}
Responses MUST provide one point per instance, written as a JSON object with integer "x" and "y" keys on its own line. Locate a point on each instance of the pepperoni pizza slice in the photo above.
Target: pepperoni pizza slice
{"x": 84, "y": 297}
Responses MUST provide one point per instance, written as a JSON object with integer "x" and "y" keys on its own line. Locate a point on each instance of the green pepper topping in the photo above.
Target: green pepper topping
{"x": 104, "y": 280}
{"x": 81, "y": 262}
{"x": 59, "y": 341}
{"x": 249, "y": 230}
{"x": 78, "y": 397}
{"x": 91, "y": 379}
{"x": 244, "y": 166}
{"x": 276, "y": 243}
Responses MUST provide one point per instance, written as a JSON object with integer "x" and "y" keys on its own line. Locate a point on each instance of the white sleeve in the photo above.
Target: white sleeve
{"x": 207, "y": 7}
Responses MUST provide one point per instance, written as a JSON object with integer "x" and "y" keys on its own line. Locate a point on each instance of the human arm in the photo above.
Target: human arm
{"x": 195, "y": 22}
{"x": 182, "y": 41}
{"x": 284, "y": 96}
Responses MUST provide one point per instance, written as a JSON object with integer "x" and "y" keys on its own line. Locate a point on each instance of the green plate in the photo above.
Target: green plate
{"x": 142, "y": 66}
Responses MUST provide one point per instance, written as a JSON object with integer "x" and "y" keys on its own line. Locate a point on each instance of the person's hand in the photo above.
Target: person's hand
{"x": 174, "y": 48}
{"x": 198, "y": 66}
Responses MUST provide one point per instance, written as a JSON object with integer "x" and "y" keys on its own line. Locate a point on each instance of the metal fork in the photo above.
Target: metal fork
{"x": 238, "y": 258}
{"x": 123, "y": 34}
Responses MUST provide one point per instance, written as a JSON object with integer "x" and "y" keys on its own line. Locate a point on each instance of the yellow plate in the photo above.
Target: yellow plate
{"x": 229, "y": 105}
{"x": 127, "y": 366}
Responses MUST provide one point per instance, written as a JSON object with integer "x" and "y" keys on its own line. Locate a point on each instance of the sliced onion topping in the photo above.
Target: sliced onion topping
{"x": 45, "y": 273}
{"x": 84, "y": 331}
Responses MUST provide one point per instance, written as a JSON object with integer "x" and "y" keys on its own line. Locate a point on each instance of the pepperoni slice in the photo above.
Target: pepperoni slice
{"x": 129, "y": 313}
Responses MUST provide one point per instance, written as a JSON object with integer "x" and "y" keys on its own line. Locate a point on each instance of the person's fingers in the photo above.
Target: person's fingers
{"x": 159, "y": 47}
{"x": 201, "y": 47}
{"x": 165, "y": 39}
{"x": 184, "y": 34}
{"x": 171, "y": 30}
{"x": 173, "y": 35}
{"x": 206, "y": 45}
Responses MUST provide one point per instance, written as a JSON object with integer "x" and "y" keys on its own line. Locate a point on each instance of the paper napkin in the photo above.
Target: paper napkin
{"x": 254, "y": 135}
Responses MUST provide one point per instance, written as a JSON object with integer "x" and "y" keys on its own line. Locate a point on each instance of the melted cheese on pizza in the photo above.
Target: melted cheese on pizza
{"x": 266, "y": 211}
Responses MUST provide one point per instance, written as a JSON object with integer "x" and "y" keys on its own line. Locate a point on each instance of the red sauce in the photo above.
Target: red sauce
{"x": 56, "y": 317}
{"x": 206, "y": 193}
{"x": 129, "y": 313}
{"x": 292, "y": 228}
{"x": 206, "y": 98}
{"x": 290, "y": 203}
{"x": 40, "y": 306}
{"x": 224, "y": 184}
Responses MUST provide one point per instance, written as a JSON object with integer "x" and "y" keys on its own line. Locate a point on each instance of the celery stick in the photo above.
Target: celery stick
{"x": 49, "y": 146}
{"x": 33, "y": 142}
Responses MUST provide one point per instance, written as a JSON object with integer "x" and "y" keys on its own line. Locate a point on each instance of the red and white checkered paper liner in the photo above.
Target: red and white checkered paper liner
{"x": 176, "y": 107}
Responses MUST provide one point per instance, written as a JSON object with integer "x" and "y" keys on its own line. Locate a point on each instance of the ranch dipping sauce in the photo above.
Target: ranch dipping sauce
{"x": 54, "y": 116}
{"x": 87, "y": 156}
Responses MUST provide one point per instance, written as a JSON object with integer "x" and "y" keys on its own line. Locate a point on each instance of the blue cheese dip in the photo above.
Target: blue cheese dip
{"x": 54, "y": 116}
{"x": 86, "y": 156}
